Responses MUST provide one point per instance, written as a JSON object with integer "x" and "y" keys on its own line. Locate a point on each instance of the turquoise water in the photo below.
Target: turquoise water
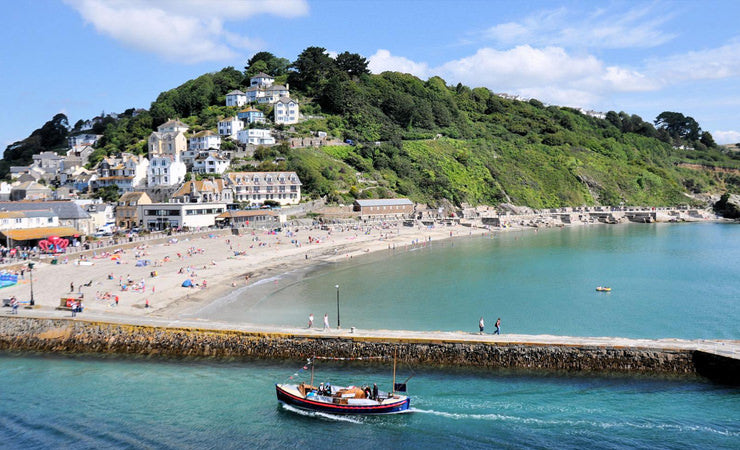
{"x": 96, "y": 402}
{"x": 668, "y": 280}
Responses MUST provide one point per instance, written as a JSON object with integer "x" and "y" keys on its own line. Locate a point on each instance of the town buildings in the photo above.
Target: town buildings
{"x": 166, "y": 170}
{"x": 128, "y": 172}
{"x": 255, "y": 188}
{"x": 384, "y": 207}
{"x": 230, "y": 126}
{"x": 127, "y": 210}
{"x": 236, "y": 98}
{"x": 251, "y": 115}
{"x": 256, "y": 136}
{"x": 205, "y": 140}
{"x": 161, "y": 216}
{"x": 169, "y": 139}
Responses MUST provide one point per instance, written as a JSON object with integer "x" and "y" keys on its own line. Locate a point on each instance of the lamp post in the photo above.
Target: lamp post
{"x": 338, "y": 322}
{"x": 30, "y": 273}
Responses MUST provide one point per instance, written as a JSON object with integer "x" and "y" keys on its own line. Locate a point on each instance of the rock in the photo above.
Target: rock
{"x": 728, "y": 206}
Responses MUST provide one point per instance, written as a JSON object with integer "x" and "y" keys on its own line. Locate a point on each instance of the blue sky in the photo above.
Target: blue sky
{"x": 82, "y": 57}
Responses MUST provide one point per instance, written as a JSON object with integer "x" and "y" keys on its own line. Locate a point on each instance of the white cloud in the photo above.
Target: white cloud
{"x": 187, "y": 31}
{"x": 634, "y": 28}
{"x": 709, "y": 64}
{"x": 550, "y": 74}
{"x": 382, "y": 61}
{"x": 726, "y": 137}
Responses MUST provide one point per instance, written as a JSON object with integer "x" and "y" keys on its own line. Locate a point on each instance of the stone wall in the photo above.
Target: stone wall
{"x": 64, "y": 335}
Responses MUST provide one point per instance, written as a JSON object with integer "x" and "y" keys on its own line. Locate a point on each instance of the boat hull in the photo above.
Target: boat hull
{"x": 311, "y": 405}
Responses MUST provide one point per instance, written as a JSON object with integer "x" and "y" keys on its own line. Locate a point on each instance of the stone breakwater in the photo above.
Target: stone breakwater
{"x": 72, "y": 336}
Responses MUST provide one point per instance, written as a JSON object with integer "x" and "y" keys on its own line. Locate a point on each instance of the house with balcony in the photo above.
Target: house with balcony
{"x": 205, "y": 140}
{"x": 256, "y": 136}
{"x": 230, "y": 126}
{"x": 210, "y": 162}
{"x": 267, "y": 94}
{"x": 256, "y": 187}
{"x": 166, "y": 170}
{"x": 169, "y": 139}
{"x": 127, "y": 172}
{"x": 261, "y": 80}
{"x": 286, "y": 111}
{"x": 83, "y": 140}
{"x": 236, "y": 98}
{"x": 251, "y": 115}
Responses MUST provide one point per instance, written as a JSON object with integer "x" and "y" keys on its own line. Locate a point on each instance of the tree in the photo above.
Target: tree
{"x": 313, "y": 68}
{"x": 707, "y": 139}
{"x": 678, "y": 126}
{"x": 352, "y": 63}
{"x": 109, "y": 194}
{"x": 266, "y": 62}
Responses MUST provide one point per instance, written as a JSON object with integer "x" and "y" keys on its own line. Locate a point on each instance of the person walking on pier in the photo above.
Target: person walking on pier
{"x": 310, "y": 320}
{"x": 326, "y": 322}
{"x": 498, "y": 326}
{"x": 481, "y": 324}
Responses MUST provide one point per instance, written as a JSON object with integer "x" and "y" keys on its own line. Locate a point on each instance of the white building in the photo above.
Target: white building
{"x": 256, "y": 187}
{"x": 159, "y": 216}
{"x": 166, "y": 170}
{"x": 83, "y": 140}
{"x": 236, "y": 98}
{"x": 261, "y": 80}
{"x": 230, "y": 127}
{"x": 265, "y": 95}
{"x": 286, "y": 111}
{"x": 210, "y": 162}
{"x": 205, "y": 140}
{"x": 21, "y": 220}
{"x": 256, "y": 136}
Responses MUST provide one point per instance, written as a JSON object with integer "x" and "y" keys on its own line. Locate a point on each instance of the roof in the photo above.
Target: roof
{"x": 172, "y": 123}
{"x": 215, "y": 186}
{"x": 247, "y": 213}
{"x": 39, "y": 233}
{"x": 28, "y": 185}
{"x": 63, "y": 209}
{"x": 385, "y": 202}
{"x": 277, "y": 87}
{"x": 262, "y": 75}
{"x": 205, "y": 133}
{"x": 132, "y": 197}
{"x": 250, "y": 109}
{"x": 286, "y": 99}
{"x": 235, "y": 92}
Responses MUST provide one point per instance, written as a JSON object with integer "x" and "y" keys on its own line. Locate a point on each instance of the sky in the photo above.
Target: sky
{"x": 84, "y": 57}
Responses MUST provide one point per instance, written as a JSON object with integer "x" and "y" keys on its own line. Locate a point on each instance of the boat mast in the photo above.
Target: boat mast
{"x": 393, "y": 387}
{"x": 312, "y": 360}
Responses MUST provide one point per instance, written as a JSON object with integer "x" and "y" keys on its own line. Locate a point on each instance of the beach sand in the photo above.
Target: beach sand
{"x": 211, "y": 261}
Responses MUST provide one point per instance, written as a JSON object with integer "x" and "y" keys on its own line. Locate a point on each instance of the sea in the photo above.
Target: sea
{"x": 667, "y": 280}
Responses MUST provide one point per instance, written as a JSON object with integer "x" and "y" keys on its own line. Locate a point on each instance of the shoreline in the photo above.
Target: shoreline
{"x": 213, "y": 260}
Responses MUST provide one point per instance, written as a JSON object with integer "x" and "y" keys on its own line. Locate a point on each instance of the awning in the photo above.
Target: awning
{"x": 39, "y": 233}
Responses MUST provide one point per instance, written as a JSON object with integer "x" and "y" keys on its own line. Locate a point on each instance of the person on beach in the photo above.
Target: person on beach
{"x": 481, "y": 324}
{"x": 14, "y": 305}
{"x": 310, "y": 320}
{"x": 71, "y": 286}
{"x": 498, "y": 326}
{"x": 73, "y": 305}
{"x": 326, "y": 322}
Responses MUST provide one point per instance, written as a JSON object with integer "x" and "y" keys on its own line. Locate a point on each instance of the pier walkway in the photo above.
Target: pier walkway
{"x": 724, "y": 348}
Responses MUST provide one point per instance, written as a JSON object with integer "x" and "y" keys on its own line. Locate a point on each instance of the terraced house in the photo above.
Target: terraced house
{"x": 257, "y": 187}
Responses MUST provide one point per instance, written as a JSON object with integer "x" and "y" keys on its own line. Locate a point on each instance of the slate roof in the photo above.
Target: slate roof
{"x": 236, "y": 92}
{"x": 63, "y": 209}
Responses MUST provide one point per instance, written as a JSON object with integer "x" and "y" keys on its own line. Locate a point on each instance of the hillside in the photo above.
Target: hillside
{"x": 430, "y": 141}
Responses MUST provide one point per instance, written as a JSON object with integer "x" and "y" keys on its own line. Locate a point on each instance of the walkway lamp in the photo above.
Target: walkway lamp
{"x": 30, "y": 273}
{"x": 338, "y": 322}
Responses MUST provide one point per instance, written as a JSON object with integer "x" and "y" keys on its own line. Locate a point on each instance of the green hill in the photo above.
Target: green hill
{"x": 430, "y": 141}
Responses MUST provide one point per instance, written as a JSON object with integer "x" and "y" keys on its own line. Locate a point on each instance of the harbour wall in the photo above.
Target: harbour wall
{"x": 77, "y": 336}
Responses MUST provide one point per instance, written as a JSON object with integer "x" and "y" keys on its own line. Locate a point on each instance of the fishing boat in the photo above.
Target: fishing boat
{"x": 361, "y": 400}
{"x": 603, "y": 289}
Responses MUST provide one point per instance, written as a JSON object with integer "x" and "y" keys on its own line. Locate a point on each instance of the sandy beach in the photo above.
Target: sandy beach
{"x": 216, "y": 265}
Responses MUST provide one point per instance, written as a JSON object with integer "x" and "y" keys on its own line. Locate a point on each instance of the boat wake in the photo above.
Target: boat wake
{"x": 320, "y": 414}
{"x": 579, "y": 423}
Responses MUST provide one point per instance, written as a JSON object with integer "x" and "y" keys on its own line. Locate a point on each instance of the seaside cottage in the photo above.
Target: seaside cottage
{"x": 394, "y": 207}
{"x": 236, "y": 98}
{"x": 127, "y": 212}
{"x": 230, "y": 126}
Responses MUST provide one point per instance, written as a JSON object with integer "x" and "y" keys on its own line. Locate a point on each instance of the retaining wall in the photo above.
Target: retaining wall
{"x": 61, "y": 335}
